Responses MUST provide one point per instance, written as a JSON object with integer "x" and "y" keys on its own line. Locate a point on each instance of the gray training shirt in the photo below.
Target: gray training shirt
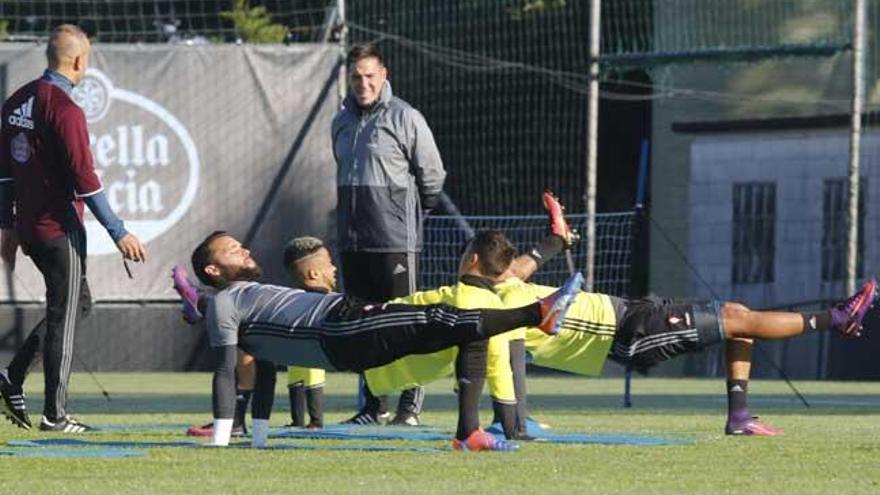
{"x": 289, "y": 318}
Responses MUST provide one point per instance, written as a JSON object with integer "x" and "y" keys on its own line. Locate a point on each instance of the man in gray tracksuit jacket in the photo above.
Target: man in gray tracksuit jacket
{"x": 389, "y": 174}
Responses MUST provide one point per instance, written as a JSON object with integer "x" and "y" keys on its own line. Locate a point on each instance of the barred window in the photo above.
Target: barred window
{"x": 835, "y": 198}
{"x": 754, "y": 232}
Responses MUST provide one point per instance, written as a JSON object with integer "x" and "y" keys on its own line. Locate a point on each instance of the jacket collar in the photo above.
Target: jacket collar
{"x": 317, "y": 290}
{"x": 56, "y": 79}
{"x": 477, "y": 281}
{"x": 385, "y": 96}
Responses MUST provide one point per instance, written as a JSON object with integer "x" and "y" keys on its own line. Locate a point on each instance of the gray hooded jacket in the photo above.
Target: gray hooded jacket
{"x": 388, "y": 173}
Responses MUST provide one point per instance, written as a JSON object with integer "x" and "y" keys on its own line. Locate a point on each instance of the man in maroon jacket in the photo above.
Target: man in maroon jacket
{"x": 46, "y": 176}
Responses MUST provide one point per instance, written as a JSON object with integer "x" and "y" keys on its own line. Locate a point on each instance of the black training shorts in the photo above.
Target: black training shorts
{"x": 653, "y": 330}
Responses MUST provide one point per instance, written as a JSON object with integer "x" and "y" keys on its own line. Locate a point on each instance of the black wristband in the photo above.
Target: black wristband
{"x": 549, "y": 247}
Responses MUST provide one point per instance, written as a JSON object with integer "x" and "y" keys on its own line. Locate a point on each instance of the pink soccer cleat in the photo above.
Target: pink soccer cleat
{"x": 189, "y": 293}
{"x": 847, "y": 316}
{"x": 751, "y": 427}
{"x": 558, "y": 225}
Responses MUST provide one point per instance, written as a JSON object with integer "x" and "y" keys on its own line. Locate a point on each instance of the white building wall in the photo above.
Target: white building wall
{"x": 797, "y": 162}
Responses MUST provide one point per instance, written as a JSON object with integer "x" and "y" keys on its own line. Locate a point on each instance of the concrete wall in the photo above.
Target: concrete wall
{"x": 724, "y": 90}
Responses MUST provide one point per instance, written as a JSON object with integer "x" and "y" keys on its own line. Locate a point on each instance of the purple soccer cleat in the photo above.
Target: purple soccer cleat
{"x": 847, "y": 316}
{"x": 189, "y": 293}
{"x": 751, "y": 427}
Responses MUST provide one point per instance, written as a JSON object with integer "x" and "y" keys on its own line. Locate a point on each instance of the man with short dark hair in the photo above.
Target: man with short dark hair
{"x": 643, "y": 332}
{"x": 46, "y": 176}
{"x": 309, "y": 264}
{"x": 310, "y": 267}
{"x": 289, "y": 326}
{"x": 487, "y": 257}
{"x": 389, "y": 176}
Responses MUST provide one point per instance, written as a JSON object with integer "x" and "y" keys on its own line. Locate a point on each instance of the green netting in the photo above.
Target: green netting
{"x": 503, "y": 88}
{"x": 505, "y": 83}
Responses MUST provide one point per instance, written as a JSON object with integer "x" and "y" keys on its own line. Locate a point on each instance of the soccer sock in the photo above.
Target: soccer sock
{"x": 816, "y": 321}
{"x": 518, "y": 366}
{"x": 410, "y": 402}
{"x": 242, "y": 398}
{"x": 549, "y": 247}
{"x": 496, "y": 321}
{"x": 222, "y": 432}
{"x": 470, "y": 373}
{"x": 737, "y": 400}
{"x": 374, "y": 405}
{"x": 505, "y": 413}
{"x": 468, "y": 407}
{"x": 297, "y": 394}
{"x": 315, "y": 401}
{"x": 260, "y": 433}
{"x": 264, "y": 392}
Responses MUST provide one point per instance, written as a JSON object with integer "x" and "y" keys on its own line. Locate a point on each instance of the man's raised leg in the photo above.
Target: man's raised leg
{"x": 845, "y": 317}
{"x": 359, "y": 337}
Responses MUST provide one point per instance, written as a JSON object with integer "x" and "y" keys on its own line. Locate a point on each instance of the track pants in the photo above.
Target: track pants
{"x": 381, "y": 277}
{"x": 62, "y": 261}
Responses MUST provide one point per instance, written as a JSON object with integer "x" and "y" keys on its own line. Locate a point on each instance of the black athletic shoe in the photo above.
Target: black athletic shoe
{"x": 368, "y": 418}
{"x": 67, "y": 424}
{"x": 407, "y": 419}
{"x": 524, "y": 437}
{"x": 313, "y": 425}
{"x": 13, "y": 404}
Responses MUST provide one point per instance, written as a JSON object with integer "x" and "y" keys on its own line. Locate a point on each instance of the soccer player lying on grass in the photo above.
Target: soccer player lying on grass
{"x": 329, "y": 331}
{"x": 487, "y": 259}
{"x": 311, "y": 268}
{"x": 641, "y": 333}
{"x": 501, "y": 360}
{"x": 487, "y": 256}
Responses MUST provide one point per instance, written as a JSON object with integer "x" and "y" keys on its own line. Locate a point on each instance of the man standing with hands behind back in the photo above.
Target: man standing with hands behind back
{"x": 389, "y": 174}
{"x": 47, "y": 174}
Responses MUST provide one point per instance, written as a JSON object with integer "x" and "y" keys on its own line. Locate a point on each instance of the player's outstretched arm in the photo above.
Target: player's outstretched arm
{"x": 223, "y": 394}
{"x": 559, "y": 237}
{"x": 127, "y": 243}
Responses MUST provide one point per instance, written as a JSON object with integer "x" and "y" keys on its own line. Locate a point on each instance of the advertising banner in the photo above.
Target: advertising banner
{"x": 192, "y": 139}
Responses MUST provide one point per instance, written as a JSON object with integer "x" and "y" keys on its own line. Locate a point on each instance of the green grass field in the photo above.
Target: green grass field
{"x": 833, "y": 447}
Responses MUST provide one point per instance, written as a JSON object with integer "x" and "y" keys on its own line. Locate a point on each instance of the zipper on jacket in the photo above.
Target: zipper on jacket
{"x": 354, "y": 181}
